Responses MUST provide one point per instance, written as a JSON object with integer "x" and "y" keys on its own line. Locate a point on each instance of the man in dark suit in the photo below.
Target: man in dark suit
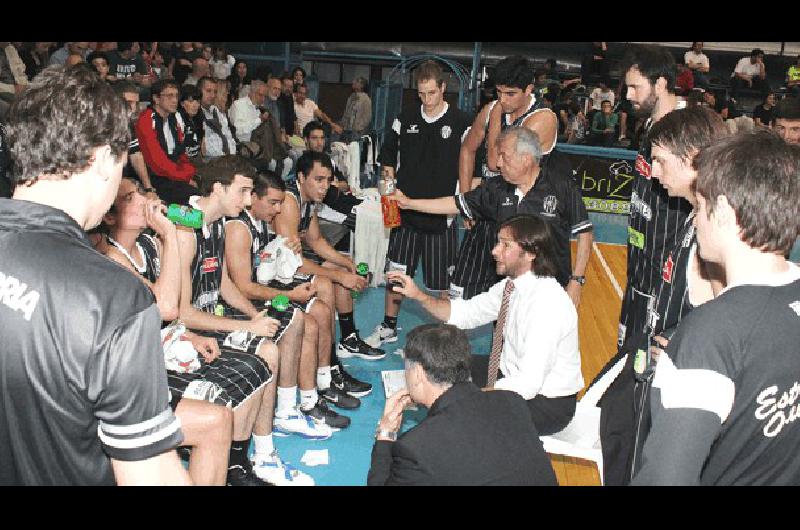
{"x": 470, "y": 438}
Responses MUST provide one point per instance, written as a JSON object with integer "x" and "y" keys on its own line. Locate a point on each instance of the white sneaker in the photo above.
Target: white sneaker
{"x": 277, "y": 472}
{"x": 381, "y": 335}
{"x": 301, "y": 424}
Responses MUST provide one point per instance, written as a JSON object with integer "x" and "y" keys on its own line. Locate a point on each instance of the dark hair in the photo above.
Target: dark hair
{"x": 265, "y": 181}
{"x": 65, "y": 114}
{"x": 684, "y": 132}
{"x": 299, "y": 69}
{"x": 97, "y": 55}
{"x": 160, "y": 85}
{"x": 223, "y": 169}
{"x": 442, "y": 350}
{"x": 190, "y": 92}
{"x": 756, "y": 51}
{"x": 124, "y": 46}
{"x": 552, "y": 63}
{"x": 312, "y": 126}
{"x": 123, "y": 86}
{"x": 203, "y": 80}
{"x": 514, "y": 71}
{"x": 757, "y": 172}
{"x": 306, "y": 162}
{"x": 535, "y": 236}
{"x": 286, "y": 76}
{"x": 430, "y": 70}
{"x": 298, "y": 86}
{"x": 787, "y": 109}
{"x": 653, "y": 62}
{"x": 551, "y": 92}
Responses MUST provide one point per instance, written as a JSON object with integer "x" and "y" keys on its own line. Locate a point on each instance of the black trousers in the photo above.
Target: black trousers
{"x": 762, "y": 85}
{"x": 550, "y": 415}
{"x": 173, "y": 191}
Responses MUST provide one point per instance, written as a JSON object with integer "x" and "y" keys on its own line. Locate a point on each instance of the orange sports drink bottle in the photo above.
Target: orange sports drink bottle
{"x": 391, "y": 212}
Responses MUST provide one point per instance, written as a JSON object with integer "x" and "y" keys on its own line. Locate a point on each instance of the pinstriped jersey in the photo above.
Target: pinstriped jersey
{"x": 152, "y": 262}
{"x": 259, "y": 238}
{"x": 307, "y": 208}
{"x": 207, "y": 265}
{"x": 672, "y": 294}
{"x": 654, "y": 224}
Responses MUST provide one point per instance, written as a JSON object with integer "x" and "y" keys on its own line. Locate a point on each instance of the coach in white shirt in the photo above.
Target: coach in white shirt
{"x": 539, "y": 359}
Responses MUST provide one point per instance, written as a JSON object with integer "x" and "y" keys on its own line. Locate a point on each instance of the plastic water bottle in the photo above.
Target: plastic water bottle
{"x": 277, "y": 306}
{"x": 185, "y": 216}
{"x": 362, "y": 269}
{"x": 391, "y": 212}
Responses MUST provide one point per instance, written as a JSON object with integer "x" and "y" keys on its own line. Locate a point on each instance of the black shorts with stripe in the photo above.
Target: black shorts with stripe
{"x": 235, "y": 376}
{"x": 438, "y": 252}
{"x": 298, "y": 279}
{"x": 247, "y": 341}
{"x": 475, "y": 270}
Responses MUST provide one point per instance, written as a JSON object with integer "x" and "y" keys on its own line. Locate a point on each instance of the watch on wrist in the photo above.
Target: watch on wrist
{"x": 581, "y": 280}
{"x": 148, "y": 190}
{"x": 384, "y": 433}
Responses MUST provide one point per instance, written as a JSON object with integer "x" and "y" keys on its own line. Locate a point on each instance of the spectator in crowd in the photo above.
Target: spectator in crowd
{"x": 136, "y": 168}
{"x": 189, "y": 109}
{"x": 199, "y": 69}
{"x": 299, "y": 77}
{"x": 286, "y": 104}
{"x": 218, "y": 138}
{"x": 577, "y": 125}
{"x": 207, "y": 52}
{"x": 12, "y": 73}
{"x": 604, "y": 126}
{"x": 223, "y": 99}
{"x": 60, "y": 55}
{"x": 762, "y": 114}
{"x": 99, "y": 60}
{"x": 684, "y": 83}
{"x": 750, "y": 72}
{"x": 157, "y": 65}
{"x": 180, "y": 65}
{"x": 221, "y": 63}
{"x": 36, "y": 57}
{"x": 787, "y": 119}
{"x": 248, "y": 112}
{"x": 535, "y": 344}
{"x": 161, "y": 134}
{"x": 601, "y": 93}
{"x": 725, "y": 107}
{"x": 793, "y": 78}
{"x": 126, "y": 63}
{"x": 724, "y": 392}
{"x": 90, "y": 401}
{"x": 239, "y": 78}
{"x": 470, "y": 438}
{"x": 358, "y": 110}
{"x": 73, "y": 59}
{"x": 307, "y": 110}
{"x": 698, "y": 64}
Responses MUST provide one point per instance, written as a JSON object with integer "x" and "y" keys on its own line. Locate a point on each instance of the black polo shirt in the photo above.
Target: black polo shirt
{"x": 553, "y": 197}
{"x": 82, "y": 374}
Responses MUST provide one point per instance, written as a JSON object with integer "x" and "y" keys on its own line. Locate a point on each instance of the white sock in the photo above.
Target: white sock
{"x": 263, "y": 446}
{"x": 323, "y": 377}
{"x": 287, "y": 400}
{"x": 308, "y": 398}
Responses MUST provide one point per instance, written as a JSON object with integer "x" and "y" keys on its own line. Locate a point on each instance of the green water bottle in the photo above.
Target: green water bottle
{"x": 185, "y": 216}
{"x": 362, "y": 269}
{"x": 278, "y": 305}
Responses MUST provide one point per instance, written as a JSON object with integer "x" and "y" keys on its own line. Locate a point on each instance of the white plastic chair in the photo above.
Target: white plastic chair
{"x": 581, "y": 438}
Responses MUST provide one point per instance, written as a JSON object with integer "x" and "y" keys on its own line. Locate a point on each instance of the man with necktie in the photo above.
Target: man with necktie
{"x": 535, "y": 344}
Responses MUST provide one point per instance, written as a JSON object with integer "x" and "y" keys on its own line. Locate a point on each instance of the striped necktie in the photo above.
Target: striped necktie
{"x": 497, "y": 338}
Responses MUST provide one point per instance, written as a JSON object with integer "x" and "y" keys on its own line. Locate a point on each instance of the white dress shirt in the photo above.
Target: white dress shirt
{"x": 245, "y": 117}
{"x": 214, "y": 145}
{"x": 540, "y": 340}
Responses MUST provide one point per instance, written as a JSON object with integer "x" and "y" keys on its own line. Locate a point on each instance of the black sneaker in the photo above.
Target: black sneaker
{"x": 244, "y": 476}
{"x": 340, "y": 398}
{"x": 331, "y": 418}
{"x": 347, "y": 383}
{"x": 353, "y": 345}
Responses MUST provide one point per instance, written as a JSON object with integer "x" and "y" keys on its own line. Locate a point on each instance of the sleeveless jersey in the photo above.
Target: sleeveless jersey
{"x": 259, "y": 238}
{"x": 207, "y": 265}
{"x": 307, "y": 209}
{"x": 148, "y": 250}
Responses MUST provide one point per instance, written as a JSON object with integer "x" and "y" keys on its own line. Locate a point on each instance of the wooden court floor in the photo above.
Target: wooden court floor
{"x": 598, "y": 315}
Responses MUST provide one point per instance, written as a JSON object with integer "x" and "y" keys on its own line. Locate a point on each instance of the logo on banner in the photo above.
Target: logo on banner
{"x": 550, "y": 203}
{"x": 669, "y": 265}
{"x": 620, "y": 168}
{"x": 643, "y": 167}
{"x": 209, "y": 265}
{"x": 446, "y": 131}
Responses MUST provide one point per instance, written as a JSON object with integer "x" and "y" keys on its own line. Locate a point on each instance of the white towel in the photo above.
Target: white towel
{"x": 371, "y": 237}
{"x": 277, "y": 263}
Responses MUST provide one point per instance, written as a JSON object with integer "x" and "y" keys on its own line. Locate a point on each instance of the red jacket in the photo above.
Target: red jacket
{"x": 150, "y": 132}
